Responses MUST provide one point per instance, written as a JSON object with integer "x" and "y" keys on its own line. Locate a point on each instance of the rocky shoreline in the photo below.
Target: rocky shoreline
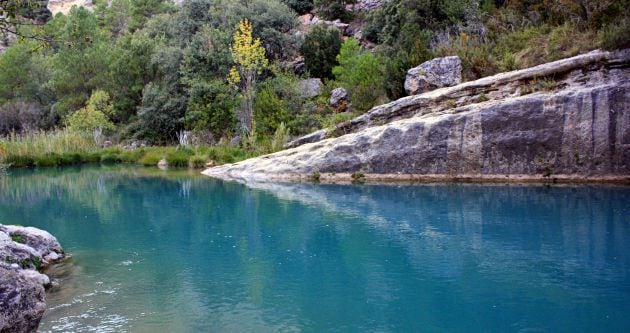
{"x": 24, "y": 253}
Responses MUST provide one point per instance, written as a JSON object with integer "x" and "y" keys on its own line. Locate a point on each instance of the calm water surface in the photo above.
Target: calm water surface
{"x": 177, "y": 252}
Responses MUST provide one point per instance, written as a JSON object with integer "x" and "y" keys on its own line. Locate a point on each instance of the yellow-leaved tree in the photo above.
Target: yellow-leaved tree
{"x": 249, "y": 61}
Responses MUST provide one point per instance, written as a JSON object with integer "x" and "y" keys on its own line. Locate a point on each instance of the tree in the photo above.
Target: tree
{"x": 94, "y": 115}
{"x": 335, "y": 9}
{"x": 321, "y": 47}
{"x": 81, "y": 64}
{"x": 249, "y": 61}
{"x": 300, "y": 6}
{"x": 360, "y": 73}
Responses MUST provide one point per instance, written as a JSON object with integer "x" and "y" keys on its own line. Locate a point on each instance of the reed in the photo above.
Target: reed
{"x": 65, "y": 147}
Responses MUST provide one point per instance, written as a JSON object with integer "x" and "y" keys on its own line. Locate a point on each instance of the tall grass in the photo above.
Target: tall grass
{"x": 64, "y": 147}
{"x": 46, "y": 148}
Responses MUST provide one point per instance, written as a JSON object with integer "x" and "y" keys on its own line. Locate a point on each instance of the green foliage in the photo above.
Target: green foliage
{"x": 334, "y": 9}
{"x": 360, "y": 73}
{"x": 178, "y": 158}
{"x": 80, "y": 65}
{"x": 358, "y": 178}
{"x": 197, "y": 161}
{"x": 280, "y": 137}
{"x": 18, "y": 238}
{"x": 320, "y": 49}
{"x": 94, "y": 115}
{"x": 161, "y": 114}
{"x": 300, "y": 6}
{"x": 270, "y": 110}
{"x": 616, "y": 35}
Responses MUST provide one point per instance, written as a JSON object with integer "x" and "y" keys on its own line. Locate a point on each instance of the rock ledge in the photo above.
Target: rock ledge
{"x": 565, "y": 121}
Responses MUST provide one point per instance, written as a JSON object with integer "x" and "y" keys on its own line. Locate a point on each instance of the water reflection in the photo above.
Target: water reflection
{"x": 156, "y": 251}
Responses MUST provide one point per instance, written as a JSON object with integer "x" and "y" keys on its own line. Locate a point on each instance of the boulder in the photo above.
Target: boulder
{"x": 433, "y": 74}
{"x": 163, "y": 164}
{"x": 33, "y": 241}
{"x": 310, "y": 88}
{"x": 22, "y": 301}
{"x": 339, "y": 99}
{"x": 23, "y": 251}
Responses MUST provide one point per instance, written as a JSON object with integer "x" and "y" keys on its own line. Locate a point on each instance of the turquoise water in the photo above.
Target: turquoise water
{"x": 176, "y": 252}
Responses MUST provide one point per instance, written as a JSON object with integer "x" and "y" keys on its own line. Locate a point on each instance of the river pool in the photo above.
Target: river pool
{"x": 156, "y": 251}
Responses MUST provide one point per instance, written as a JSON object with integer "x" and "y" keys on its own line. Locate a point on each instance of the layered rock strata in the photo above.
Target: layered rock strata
{"x": 565, "y": 120}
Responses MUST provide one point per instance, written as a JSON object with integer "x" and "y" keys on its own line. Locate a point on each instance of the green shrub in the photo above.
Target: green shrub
{"x": 110, "y": 158}
{"x": 18, "y": 238}
{"x": 151, "y": 158}
{"x": 48, "y": 160}
{"x": 177, "y": 159}
{"x": 360, "y": 73}
{"x": 300, "y": 6}
{"x": 131, "y": 156}
{"x": 320, "y": 49}
{"x": 615, "y": 35}
{"x": 20, "y": 160}
{"x": 197, "y": 161}
{"x": 70, "y": 159}
{"x": 94, "y": 157}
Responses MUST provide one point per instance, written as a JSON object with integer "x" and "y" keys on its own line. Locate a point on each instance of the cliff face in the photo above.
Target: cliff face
{"x": 566, "y": 120}
{"x": 64, "y": 6}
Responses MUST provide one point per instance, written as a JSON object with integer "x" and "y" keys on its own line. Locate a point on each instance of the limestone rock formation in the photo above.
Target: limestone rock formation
{"x": 22, "y": 302}
{"x": 433, "y": 74}
{"x": 565, "y": 120}
{"x": 23, "y": 251}
{"x": 310, "y": 88}
{"x": 64, "y": 6}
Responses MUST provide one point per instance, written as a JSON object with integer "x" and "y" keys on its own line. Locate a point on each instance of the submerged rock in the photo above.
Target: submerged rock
{"x": 566, "y": 120}
{"x": 23, "y": 251}
{"x": 433, "y": 74}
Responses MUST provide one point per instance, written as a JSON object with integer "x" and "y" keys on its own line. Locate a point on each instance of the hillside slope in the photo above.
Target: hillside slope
{"x": 565, "y": 120}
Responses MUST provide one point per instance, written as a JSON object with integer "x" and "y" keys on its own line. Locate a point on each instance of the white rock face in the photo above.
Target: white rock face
{"x": 433, "y": 74}
{"x": 506, "y": 127}
{"x": 64, "y": 6}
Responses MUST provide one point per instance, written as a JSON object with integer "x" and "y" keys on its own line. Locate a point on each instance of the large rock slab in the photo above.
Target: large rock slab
{"x": 575, "y": 128}
{"x": 433, "y": 74}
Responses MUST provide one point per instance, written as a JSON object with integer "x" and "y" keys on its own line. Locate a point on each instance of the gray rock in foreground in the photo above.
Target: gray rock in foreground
{"x": 433, "y": 74}
{"x": 23, "y": 251}
{"x": 567, "y": 120}
{"x": 22, "y": 302}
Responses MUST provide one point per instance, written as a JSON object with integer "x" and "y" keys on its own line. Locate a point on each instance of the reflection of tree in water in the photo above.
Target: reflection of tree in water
{"x": 185, "y": 188}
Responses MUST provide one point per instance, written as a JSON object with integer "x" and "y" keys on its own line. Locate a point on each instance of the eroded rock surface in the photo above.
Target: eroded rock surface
{"x": 22, "y": 302}
{"x": 24, "y": 251}
{"x": 565, "y": 120}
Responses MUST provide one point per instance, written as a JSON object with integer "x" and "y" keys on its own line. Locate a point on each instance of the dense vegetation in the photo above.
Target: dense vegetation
{"x": 149, "y": 69}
